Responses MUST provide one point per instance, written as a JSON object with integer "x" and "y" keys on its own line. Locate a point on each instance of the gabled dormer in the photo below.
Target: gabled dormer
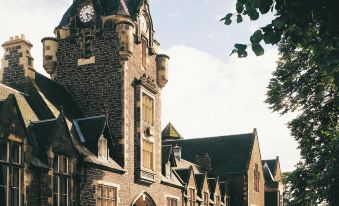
{"x": 168, "y": 161}
{"x": 188, "y": 177}
{"x": 203, "y": 188}
{"x": 215, "y": 194}
{"x": 95, "y": 134}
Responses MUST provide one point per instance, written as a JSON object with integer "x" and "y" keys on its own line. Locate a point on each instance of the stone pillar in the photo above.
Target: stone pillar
{"x": 17, "y": 62}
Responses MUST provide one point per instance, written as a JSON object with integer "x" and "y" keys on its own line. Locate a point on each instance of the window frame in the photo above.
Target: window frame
{"x": 204, "y": 202}
{"x": 10, "y": 165}
{"x": 143, "y": 114}
{"x": 59, "y": 176}
{"x": 192, "y": 198}
{"x": 152, "y": 161}
{"x": 109, "y": 186}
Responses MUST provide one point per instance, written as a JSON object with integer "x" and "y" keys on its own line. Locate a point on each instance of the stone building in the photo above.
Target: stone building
{"x": 91, "y": 133}
{"x": 274, "y": 187}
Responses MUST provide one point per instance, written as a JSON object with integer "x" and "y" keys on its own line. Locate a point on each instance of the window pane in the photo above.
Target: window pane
{"x": 63, "y": 186}
{"x": 3, "y": 151}
{"x": 3, "y": 196}
{"x": 3, "y": 175}
{"x": 55, "y": 184}
{"x": 63, "y": 201}
{"x": 65, "y": 165}
{"x": 55, "y": 163}
{"x": 15, "y": 177}
{"x": 15, "y": 153}
{"x": 15, "y": 197}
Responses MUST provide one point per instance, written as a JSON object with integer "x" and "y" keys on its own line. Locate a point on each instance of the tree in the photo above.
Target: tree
{"x": 298, "y": 188}
{"x": 306, "y": 79}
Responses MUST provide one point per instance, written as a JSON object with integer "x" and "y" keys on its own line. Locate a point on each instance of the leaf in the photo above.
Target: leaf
{"x": 239, "y": 7}
{"x": 240, "y": 46}
{"x": 271, "y": 37}
{"x": 254, "y": 15}
{"x": 279, "y": 22}
{"x": 265, "y": 6}
{"x": 239, "y": 18}
{"x": 227, "y": 19}
{"x": 257, "y": 37}
{"x": 257, "y": 49}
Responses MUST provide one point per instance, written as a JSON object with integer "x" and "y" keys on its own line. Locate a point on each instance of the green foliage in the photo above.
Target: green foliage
{"x": 307, "y": 81}
{"x": 298, "y": 187}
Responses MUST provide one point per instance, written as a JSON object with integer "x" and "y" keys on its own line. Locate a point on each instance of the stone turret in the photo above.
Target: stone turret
{"x": 50, "y": 46}
{"x": 125, "y": 30}
{"x": 17, "y": 62}
{"x": 162, "y": 69}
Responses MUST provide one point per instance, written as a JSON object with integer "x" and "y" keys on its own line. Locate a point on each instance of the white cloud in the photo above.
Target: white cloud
{"x": 208, "y": 97}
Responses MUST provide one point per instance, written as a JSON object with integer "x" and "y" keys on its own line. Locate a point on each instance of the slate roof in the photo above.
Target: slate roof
{"x": 229, "y": 154}
{"x": 170, "y": 133}
{"x": 199, "y": 179}
{"x": 212, "y": 182}
{"x": 166, "y": 153}
{"x": 184, "y": 174}
{"x": 267, "y": 173}
{"x": 90, "y": 129}
{"x": 108, "y": 7}
{"x": 272, "y": 165}
{"x": 57, "y": 95}
{"x": 26, "y": 111}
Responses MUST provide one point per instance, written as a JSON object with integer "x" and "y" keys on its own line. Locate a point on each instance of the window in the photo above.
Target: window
{"x": 147, "y": 152}
{"x": 280, "y": 199}
{"x": 106, "y": 195}
{"x": 10, "y": 173}
{"x": 144, "y": 52}
{"x": 191, "y": 197}
{"x": 228, "y": 201}
{"x": 60, "y": 181}
{"x": 206, "y": 199}
{"x": 171, "y": 201}
{"x": 217, "y": 200}
{"x": 256, "y": 178}
{"x": 147, "y": 109}
{"x": 29, "y": 59}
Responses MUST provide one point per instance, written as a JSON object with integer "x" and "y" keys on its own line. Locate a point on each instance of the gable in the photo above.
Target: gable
{"x": 11, "y": 120}
{"x": 191, "y": 181}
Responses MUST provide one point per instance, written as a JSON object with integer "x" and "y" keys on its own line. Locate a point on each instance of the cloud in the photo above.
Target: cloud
{"x": 207, "y": 97}
{"x": 36, "y": 20}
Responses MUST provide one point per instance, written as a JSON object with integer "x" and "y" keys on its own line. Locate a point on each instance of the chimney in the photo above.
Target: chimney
{"x": 177, "y": 152}
{"x": 17, "y": 62}
{"x": 204, "y": 161}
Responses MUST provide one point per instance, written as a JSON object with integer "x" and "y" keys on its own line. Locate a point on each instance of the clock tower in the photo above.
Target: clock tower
{"x": 105, "y": 54}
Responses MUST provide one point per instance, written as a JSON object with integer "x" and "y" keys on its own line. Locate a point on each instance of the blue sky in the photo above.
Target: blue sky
{"x": 209, "y": 93}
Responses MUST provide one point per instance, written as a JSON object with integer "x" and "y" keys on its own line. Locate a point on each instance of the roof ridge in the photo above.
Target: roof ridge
{"x": 200, "y": 138}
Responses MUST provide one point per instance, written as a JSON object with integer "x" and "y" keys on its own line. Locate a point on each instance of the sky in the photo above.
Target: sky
{"x": 209, "y": 92}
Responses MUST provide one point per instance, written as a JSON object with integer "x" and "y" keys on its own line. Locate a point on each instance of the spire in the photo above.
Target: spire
{"x": 170, "y": 133}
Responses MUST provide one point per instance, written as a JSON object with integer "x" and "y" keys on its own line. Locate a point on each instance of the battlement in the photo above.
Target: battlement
{"x": 17, "y": 40}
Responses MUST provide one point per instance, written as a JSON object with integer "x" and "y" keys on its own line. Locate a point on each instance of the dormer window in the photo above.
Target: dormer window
{"x": 102, "y": 148}
{"x": 206, "y": 198}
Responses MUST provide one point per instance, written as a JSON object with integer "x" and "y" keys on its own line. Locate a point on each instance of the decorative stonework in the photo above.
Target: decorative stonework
{"x": 148, "y": 83}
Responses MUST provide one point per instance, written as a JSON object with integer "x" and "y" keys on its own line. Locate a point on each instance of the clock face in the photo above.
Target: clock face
{"x": 143, "y": 24}
{"x": 86, "y": 13}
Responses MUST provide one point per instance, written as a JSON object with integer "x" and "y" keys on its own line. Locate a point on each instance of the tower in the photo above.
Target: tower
{"x": 17, "y": 62}
{"x": 106, "y": 55}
